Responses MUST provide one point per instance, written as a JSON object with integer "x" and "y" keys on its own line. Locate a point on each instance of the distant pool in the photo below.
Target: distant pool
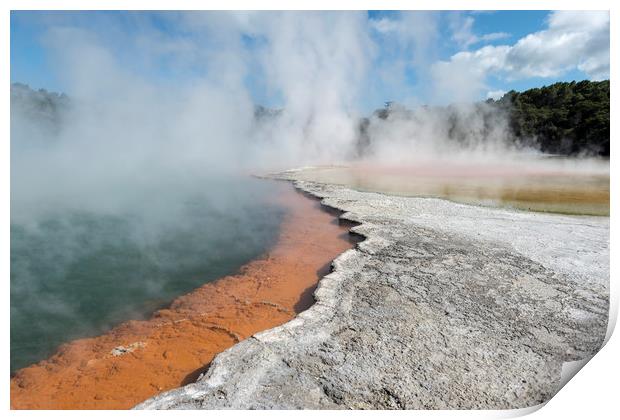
{"x": 557, "y": 185}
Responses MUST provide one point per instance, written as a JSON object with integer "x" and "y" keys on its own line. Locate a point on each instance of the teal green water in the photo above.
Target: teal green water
{"x": 77, "y": 273}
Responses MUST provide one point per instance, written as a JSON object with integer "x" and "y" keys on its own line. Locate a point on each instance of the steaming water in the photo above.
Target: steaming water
{"x": 77, "y": 273}
{"x": 557, "y": 185}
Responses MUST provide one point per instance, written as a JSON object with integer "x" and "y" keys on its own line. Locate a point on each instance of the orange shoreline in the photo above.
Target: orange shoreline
{"x": 139, "y": 359}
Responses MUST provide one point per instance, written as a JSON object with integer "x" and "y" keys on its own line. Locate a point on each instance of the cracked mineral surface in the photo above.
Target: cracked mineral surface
{"x": 442, "y": 306}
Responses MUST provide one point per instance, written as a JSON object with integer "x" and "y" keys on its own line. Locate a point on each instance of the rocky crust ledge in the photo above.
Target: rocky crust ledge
{"x": 443, "y": 306}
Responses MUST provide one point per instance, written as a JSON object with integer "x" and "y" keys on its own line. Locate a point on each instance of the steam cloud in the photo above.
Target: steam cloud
{"x": 124, "y": 127}
{"x": 154, "y": 116}
{"x": 150, "y": 103}
{"x": 153, "y": 107}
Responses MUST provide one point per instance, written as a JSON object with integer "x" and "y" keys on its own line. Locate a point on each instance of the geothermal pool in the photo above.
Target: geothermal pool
{"x": 78, "y": 272}
{"x": 556, "y": 185}
{"x": 174, "y": 345}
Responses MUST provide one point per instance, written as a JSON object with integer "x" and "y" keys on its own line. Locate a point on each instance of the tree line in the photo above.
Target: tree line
{"x": 567, "y": 118}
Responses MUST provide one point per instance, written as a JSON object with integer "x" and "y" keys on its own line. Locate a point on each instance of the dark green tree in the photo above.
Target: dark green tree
{"x": 568, "y": 118}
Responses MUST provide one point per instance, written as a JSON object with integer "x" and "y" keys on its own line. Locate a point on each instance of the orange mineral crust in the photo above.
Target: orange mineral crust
{"x": 139, "y": 359}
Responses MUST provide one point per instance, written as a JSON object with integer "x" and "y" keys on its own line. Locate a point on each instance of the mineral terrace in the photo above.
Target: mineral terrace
{"x": 442, "y": 306}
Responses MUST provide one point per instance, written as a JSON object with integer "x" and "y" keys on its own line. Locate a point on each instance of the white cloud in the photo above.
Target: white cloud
{"x": 463, "y": 34}
{"x": 572, "y": 40}
{"x": 385, "y": 25}
{"x": 494, "y": 36}
{"x": 463, "y": 77}
{"x": 495, "y": 94}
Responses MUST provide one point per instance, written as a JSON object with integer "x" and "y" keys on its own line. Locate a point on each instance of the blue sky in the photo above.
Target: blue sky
{"x": 489, "y": 52}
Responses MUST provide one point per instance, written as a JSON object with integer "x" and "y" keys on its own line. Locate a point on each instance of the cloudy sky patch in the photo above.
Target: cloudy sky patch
{"x": 409, "y": 57}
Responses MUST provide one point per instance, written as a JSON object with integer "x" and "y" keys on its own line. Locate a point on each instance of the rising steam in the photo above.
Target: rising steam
{"x": 132, "y": 161}
{"x": 192, "y": 113}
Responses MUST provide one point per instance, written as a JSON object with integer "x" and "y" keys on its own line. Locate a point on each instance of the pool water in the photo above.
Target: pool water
{"x": 76, "y": 273}
{"x": 549, "y": 185}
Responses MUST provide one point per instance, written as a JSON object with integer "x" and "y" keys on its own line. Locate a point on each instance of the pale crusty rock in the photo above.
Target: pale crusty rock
{"x": 442, "y": 306}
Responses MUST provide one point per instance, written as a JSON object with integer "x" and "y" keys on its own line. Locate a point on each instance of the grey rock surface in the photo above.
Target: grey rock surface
{"x": 442, "y": 306}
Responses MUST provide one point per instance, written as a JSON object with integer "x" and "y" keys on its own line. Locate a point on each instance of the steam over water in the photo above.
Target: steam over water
{"x": 78, "y": 272}
{"x": 125, "y": 193}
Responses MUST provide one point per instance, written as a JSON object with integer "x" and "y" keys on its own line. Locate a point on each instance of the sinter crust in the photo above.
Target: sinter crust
{"x": 442, "y": 306}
